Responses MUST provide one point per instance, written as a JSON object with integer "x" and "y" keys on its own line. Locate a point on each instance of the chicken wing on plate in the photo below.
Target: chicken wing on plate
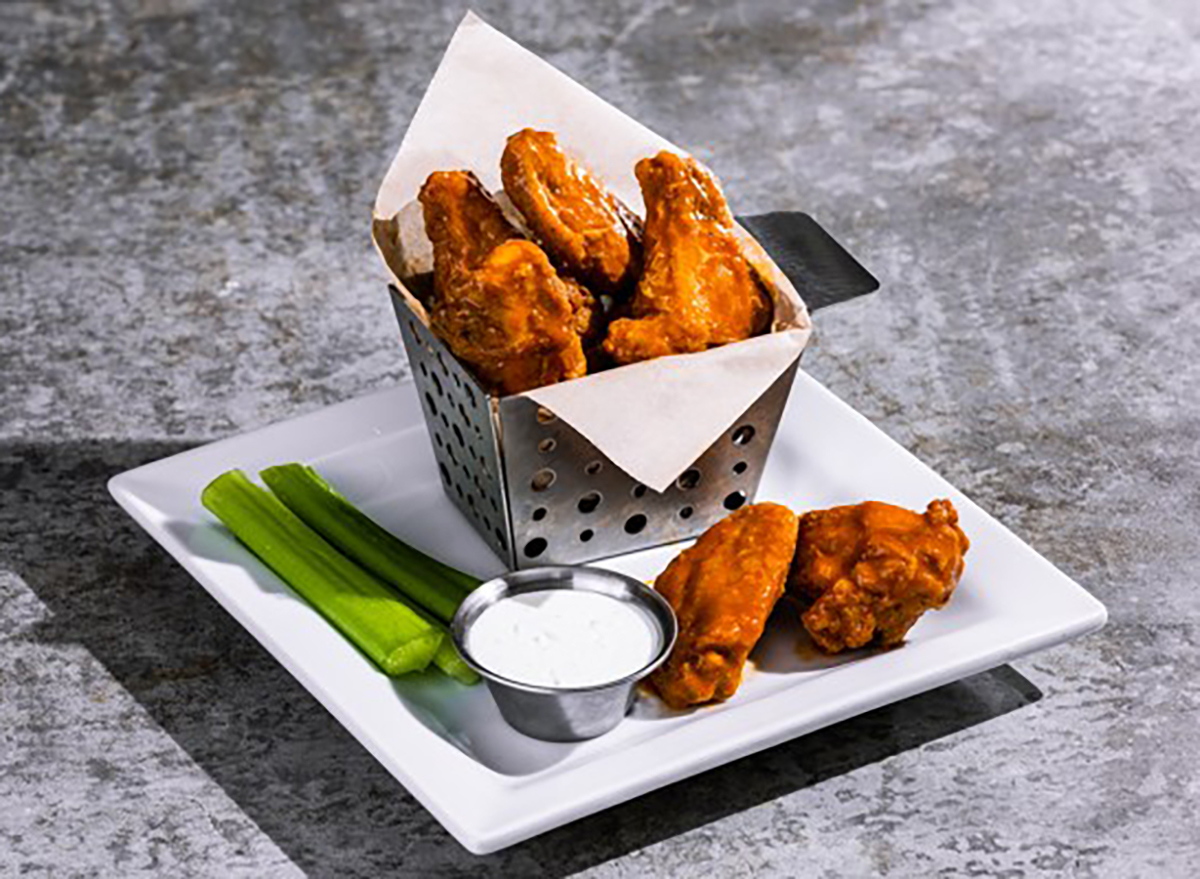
{"x": 586, "y": 230}
{"x": 498, "y": 303}
{"x": 697, "y": 288}
{"x": 866, "y": 573}
{"x": 723, "y": 588}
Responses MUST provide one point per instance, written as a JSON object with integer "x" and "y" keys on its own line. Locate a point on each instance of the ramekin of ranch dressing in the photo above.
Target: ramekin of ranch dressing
{"x": 562, "y": 648}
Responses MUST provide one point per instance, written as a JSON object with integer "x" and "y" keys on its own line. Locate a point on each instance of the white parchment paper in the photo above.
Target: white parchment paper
{"x": 652, "y": 419}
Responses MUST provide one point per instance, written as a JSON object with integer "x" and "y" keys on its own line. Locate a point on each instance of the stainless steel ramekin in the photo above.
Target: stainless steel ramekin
{"x": 564, "y": 714}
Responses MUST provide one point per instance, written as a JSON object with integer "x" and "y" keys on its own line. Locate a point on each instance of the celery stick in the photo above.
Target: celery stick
{"x": 437, "y": 587}
{"x": 396, "y": 637}
{"x": 447, "y": 659}
{"x": 449, "y": 662}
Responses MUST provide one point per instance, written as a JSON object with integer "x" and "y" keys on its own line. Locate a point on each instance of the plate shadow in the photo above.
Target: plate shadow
{"x": 287, "y": 763}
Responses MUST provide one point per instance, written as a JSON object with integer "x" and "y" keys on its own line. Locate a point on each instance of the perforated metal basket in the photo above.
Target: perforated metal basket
{"x": 540, "y": 493}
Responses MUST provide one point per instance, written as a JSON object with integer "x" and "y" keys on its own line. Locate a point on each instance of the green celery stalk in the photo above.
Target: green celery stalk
{"x": 396, "y": 637}
{"x": 450, "y": 663}
{"x": 435, "y": 586}
{"x": 447, "y": 659}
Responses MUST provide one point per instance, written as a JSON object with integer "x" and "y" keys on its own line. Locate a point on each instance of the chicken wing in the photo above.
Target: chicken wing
{"x": 723, "y": 588}
{"x": 586, "y": 230}
{"x": 866, "y": 573}
{"x": 498, "y": 303}
{"x": 697, "y": 289}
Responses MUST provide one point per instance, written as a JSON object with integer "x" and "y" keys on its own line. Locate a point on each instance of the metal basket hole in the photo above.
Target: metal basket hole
{"x": 539, "y": 514}
{"x": 458, "y": 436}
{"x": 432, "y": 405}
{"x": 593, "y": 468}
{"x": 545, "y": 416}
{"x": 635, "y": 523}
{"x": 743, "y": 435}
{"x": 589, "y": 502}
{"x": 586, "y": 534}
{"x": 437, "y": 385}
{"x": 739, "y": 468}
{"x": 535, "y": 547}
{"x": 686, "y": 513}
{"x": 734, "y": 500}
{"x": 500, "y": 537}
{"x": 639, "y": 491}
{"x": 547, "y": 445}
{"x": 445, "y": 473}
{"x": 688, "y": 479}
{"x": 437, "y": 438}
{"x": 543, "y": 479}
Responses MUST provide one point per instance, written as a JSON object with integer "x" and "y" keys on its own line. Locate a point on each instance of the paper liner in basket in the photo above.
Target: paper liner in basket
{"x": 652, "y": 419}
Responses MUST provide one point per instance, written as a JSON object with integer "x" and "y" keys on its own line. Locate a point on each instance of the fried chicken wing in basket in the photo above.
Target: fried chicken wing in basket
{"x": 697, "y": 290}
{"x": 589, "y": 234}
{"x": 498, "y": 303}
{"x": 864, "y": 574}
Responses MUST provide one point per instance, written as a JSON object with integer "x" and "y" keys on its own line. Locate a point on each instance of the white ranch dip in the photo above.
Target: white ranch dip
{"x": 563, "y": 638}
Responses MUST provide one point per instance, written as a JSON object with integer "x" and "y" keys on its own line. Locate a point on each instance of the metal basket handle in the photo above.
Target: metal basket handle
{"x": 822, "y": 270}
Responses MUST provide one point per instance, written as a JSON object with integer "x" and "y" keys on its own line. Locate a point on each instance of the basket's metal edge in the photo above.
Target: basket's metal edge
{"x": 783, "y": 387}
{"x": 404, "y": 312}
{"x": 501, "y": 458}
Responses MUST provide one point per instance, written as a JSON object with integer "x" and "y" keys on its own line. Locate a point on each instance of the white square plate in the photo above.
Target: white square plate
{"x": 489, "y": 785}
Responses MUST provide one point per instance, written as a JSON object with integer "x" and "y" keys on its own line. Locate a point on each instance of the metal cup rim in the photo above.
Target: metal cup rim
{"x": 550, "y": 577}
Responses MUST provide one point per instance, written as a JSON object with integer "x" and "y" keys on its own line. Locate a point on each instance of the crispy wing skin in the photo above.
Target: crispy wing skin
{"x": 723, "y": 588}
{"x": 697, "y": 289}
{"x": 463, "y": 222}
{"x": 866, "y": 573}
{"x": 585, "y": 229}
{"x": 498, "y": 303}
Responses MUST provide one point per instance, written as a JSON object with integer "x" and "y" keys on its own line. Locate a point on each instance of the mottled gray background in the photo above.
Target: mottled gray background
{"x": 184, "y": 195}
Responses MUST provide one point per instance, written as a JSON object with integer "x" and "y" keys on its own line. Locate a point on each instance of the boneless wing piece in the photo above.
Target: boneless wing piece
{"x": 588, "y": 233}
{"x": 697, "y": 288}
{"x": 498, "y": 303}
{"x": 864, "y": 574}
{"x": 723, "y": 588}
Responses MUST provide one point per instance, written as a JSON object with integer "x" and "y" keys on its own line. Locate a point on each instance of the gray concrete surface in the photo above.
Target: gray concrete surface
{"x": 185, "y": 187}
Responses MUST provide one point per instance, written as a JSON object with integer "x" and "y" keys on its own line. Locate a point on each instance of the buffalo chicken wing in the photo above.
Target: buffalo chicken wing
{"x": 585, "y": 229}
{"x": 498, "y": 303}
{"x": 723, "y": 588}
{"x": 697, "y": 288}
{"x": 864, "y": 574}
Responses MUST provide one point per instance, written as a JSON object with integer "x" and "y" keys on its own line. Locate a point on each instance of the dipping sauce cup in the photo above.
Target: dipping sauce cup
{"x": 565, "y": 713}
